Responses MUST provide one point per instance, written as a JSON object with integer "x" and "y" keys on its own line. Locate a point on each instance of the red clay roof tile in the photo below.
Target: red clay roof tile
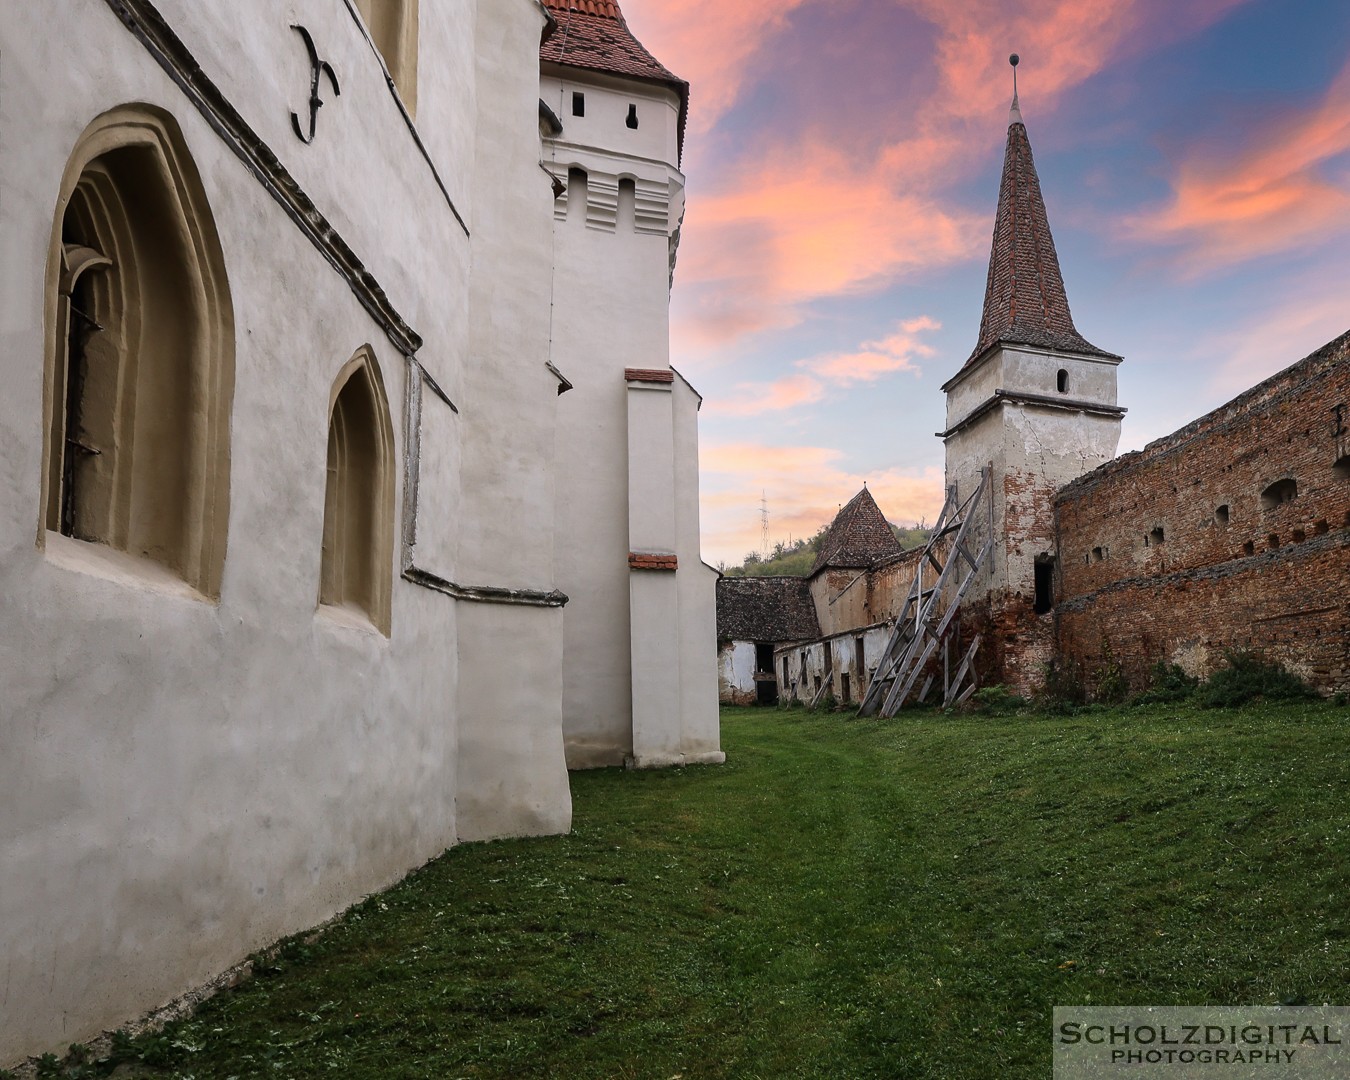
{"x": 593, "y": 34}
{"x": 1024, "y": 300}
{"x": 858, "y": 536}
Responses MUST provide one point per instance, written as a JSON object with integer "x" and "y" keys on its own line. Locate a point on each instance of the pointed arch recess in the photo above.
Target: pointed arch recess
{"x": 357, "y": 561}
{"x": 393, "y": 26}
{"x": 139, "y": 365}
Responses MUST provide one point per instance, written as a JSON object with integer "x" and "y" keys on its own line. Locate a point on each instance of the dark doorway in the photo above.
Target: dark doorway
{"x": 1045, "y": 584}
{"x": 766, "y": 683}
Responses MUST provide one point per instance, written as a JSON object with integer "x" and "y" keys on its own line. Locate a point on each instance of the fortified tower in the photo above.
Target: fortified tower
{"x": 1036, "y": 403}
{"x": 639, "y": 664}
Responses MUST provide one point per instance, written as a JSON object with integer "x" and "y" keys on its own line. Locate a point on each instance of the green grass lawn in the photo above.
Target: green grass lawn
{"x": 843, "y": 898}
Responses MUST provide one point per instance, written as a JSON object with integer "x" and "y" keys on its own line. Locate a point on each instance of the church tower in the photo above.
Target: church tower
{"x": 1036, "y": 403}
{"x": 639, "y": 660}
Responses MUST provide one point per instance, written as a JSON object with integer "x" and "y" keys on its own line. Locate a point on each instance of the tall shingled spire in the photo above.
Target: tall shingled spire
{"x": 1024, "y": 298}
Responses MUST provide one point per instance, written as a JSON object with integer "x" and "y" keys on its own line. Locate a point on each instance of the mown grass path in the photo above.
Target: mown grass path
{"x": 843, "y": 899}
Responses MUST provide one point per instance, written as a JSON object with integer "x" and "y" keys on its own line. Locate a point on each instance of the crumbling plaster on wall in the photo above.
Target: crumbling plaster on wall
{"x": 1271, "y": 578}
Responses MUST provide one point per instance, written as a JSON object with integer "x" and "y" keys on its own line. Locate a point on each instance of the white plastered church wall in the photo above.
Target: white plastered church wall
{"x": 187, "y": 781}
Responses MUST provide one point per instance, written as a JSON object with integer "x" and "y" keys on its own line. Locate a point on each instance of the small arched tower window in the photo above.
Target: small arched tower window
{"x": 358, "y": 506}
{"x": 1062, "y": 381}
{"x": 626, "y": 220}
{"x": 632, "y": 120}
{"x": 578, "y": 192}
{"x": 393, "y": 29}
{"x": 1282, "y": 491}
{"x": 140, "y": 352}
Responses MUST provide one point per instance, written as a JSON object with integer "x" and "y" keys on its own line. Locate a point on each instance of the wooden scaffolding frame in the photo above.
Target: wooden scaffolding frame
{"x": 927, "y": 623}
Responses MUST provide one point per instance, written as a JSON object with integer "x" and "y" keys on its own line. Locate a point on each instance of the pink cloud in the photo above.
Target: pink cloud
{"x": 789, "y": 230}
{"x": 754, "y": 398}
{"x": 895, "y": 352}
{"x": 708, "y": 43}
{"x": 805, "y": 219}
{"x": 1269, "y": 195}
{"x": 804, "y": 486}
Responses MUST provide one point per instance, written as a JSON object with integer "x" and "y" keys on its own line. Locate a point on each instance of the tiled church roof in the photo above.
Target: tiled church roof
{"x": 593, "y": 34}
{"x": 776, "y": 609}
{"x": 858, "y": 536}
{"x": 1024, "y": 299}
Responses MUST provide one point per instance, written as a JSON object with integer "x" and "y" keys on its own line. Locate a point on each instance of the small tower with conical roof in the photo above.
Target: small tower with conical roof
{"x": 1036, "y": 402}
{"x": 639, "y": 665}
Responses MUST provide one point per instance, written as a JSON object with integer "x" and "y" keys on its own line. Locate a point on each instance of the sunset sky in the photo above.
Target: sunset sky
{"x": 842, "y": 163}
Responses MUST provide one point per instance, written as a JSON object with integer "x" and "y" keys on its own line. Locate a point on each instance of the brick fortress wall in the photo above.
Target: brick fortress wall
{"x": 1185, "y": 549}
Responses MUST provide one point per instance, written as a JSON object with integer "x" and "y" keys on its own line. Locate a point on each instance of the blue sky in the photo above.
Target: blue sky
{"x": 842, "y": 163}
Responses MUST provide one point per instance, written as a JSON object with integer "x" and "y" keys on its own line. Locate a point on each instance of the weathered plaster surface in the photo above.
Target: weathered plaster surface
{"x": 736, "y": 673}
{"x": 187, "y": 781}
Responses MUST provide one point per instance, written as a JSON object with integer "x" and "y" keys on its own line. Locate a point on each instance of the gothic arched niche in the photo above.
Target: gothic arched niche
{"x": 140, "y": 352}
{"x": 358, "y": 510}
{"x": 393, "y": 28}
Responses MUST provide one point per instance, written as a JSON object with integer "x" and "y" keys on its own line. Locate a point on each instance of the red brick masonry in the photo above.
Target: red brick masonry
{"x": 647, "y": 561}
{"x": 1201, "y": 543}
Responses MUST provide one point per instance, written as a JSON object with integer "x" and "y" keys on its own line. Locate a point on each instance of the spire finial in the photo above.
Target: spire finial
{"x": 1015, "y": 113}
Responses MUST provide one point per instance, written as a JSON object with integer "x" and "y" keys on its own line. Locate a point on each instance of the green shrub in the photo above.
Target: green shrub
{"x": 1109, "y": 678}
{"x": 1248, "y": 676}
{"x": 1063, "y": 691}
{"x": 996, "y": 700}
{"x": 1168, "y": 684}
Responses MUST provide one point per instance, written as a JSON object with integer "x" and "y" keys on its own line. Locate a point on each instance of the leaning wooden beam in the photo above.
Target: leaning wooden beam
{"x": 952, "y": 696}
{"x": 914, "y": 642}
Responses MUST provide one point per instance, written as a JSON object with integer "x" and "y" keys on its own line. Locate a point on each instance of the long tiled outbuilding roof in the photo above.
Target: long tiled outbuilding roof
{"x": 776, "y": 609}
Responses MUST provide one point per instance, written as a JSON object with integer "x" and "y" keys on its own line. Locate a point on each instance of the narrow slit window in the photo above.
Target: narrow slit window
{"x": 626, "y": 219}
{"x": 1045, "y": 585}
{"x": 578, "y": 103}
{"x": 632, "y": 120}
{"x": 578, "y": 193}
{"x": 1062, "y": 381}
